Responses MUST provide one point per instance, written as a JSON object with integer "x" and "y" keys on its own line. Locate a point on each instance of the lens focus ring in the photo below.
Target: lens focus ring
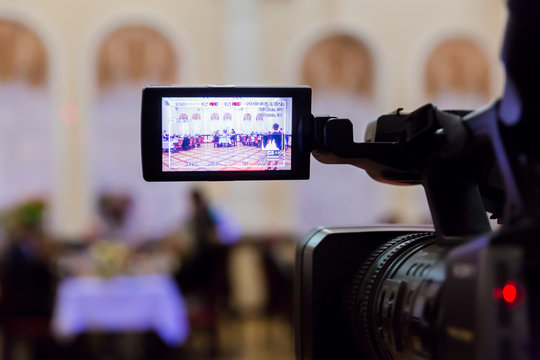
{"x": 366, "y": 285}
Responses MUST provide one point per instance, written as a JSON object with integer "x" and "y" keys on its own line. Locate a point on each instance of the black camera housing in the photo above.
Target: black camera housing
{"x": 327, "y": 260}
{"x": 460, "y": 292}
{"x": 151, "y": 131}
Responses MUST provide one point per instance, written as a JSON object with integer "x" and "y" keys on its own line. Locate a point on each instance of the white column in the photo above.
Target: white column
{"x": 242, "y": 37}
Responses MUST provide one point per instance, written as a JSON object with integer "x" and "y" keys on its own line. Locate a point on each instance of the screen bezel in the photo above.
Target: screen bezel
{"x": 151, "y": 132}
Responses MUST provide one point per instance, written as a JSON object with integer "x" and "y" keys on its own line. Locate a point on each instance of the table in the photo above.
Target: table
{"x": 121, "y": 304}
{"x": 224, "y": 140}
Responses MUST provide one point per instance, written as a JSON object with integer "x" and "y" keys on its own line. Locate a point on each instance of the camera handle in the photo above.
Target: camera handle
{"x": 400, "y": 149}
{"x": 427, "y": 147}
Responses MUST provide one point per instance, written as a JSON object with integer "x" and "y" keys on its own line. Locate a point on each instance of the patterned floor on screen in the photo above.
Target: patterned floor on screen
{"x": 208, "y": 157}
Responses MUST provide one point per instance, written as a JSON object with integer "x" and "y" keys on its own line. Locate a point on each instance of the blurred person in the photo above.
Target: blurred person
{"x": 279, "y": 278}
{"x": 186, "y": 142}
{"x": 200, "y": 244}
{"x": 202, "y": 273}
{"x": 27, "y": 282}
{"x": 109, "y": 249}
{"x": 114, "y": 211}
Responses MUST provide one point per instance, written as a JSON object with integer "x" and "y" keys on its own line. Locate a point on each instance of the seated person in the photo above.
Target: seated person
{"x": 176, "y": 144}
{"x": 186, "y": 143}
{"x": 233, "y": 137}
{"x": 28, "y": 285}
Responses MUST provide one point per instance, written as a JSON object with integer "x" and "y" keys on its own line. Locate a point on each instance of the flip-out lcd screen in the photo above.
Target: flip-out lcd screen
{"x": 226, "y": 132}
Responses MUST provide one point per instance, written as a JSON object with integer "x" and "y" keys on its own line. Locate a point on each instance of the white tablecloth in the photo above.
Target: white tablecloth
{"x": 122, "y": 304}
{"x": 225, "y": 140}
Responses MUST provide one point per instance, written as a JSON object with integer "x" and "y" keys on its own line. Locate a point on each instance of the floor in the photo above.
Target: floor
{"x": 260, "y": 338}
{"x": 208, "y": 157}
{"x": 257, "y": 338}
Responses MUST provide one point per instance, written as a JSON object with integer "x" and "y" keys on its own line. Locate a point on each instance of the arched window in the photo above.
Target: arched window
{"x": 183, "y": 125}
{"x": 228, "y": 123}
{"x": 136, "y": 54}
{"x": 259, "y": 123}
{"x": 457, "y": 75}
{"x": 25, "y": 115}
{"x": 246, "y": 124}
{"x": 196, "y": 125}
{"x": 339, "y": 63}
{"x": 341, "y": 70}
{"x": 24, "y": 57}
{"x": 127, "y": 58}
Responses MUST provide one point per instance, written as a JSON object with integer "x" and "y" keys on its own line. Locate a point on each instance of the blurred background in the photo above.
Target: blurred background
{"x": 96, "y": 263}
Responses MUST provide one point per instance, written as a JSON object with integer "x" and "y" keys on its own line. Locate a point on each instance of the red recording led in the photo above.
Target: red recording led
{"x": 509, "y": 293}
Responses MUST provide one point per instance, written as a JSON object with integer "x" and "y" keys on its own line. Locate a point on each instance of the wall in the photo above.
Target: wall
{"x": 247, "y": 41}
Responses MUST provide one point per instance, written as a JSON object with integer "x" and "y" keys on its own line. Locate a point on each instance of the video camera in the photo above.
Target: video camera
{"x": 457, "y": 290}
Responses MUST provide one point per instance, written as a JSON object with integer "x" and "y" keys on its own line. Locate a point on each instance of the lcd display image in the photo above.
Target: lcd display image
{"x": 226, "y": 133}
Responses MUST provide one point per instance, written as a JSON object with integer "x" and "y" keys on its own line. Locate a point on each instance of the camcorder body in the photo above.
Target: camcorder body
{"x": 456, "y": 290}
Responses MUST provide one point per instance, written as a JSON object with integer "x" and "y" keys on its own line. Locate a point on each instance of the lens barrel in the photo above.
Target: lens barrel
{"x": 392, "y": 301}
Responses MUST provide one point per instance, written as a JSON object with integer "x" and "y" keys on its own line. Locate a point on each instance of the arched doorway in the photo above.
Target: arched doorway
{"x": 457, "y": 75}
{"x": 339, "y": 63}
{"x": 128, "y": 58}
{"x": 341, "y": 70}
{"x": 135, "y": 54}
{"x": 26, "y": 163}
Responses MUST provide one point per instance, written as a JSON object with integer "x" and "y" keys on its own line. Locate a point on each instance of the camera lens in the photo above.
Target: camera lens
{"x": 392, "y": 300}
